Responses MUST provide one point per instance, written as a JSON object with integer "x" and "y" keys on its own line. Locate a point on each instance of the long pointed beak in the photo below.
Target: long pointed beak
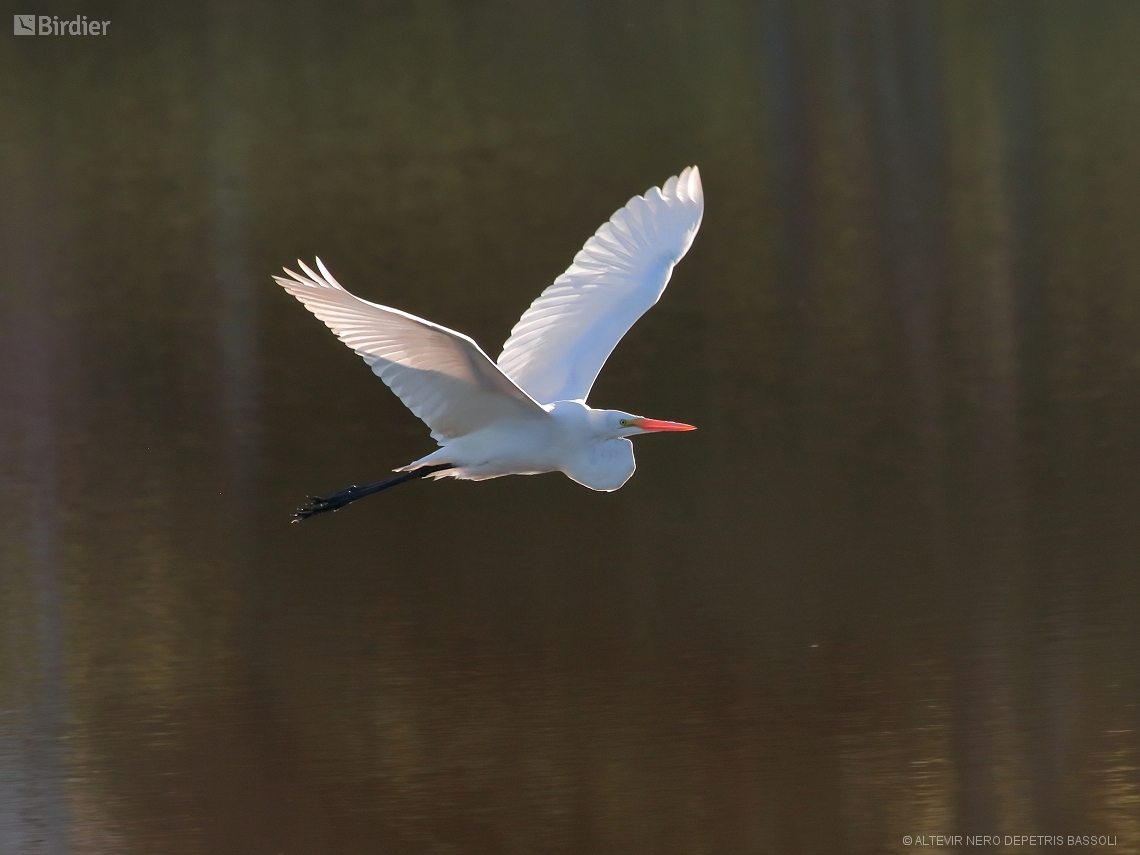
{"x": 655, "y": 426}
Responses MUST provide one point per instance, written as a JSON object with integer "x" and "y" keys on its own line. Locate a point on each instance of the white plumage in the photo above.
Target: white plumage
{"x": 442, "y": 376}
{"x": 526, "y": 414}
{"x": 561, "y": 342}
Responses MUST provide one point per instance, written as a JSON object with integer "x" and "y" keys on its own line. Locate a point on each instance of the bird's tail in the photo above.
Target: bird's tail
{"x": 436, "y": 463}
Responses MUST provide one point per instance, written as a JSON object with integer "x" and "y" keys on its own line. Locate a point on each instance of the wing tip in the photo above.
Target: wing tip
{"x": 684, "y": 188}
{"x": 688, "y": 187}
{"x": 309, "y": 278}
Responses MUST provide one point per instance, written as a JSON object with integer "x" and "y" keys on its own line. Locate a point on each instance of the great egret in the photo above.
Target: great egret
{"x": 527, "y": 413}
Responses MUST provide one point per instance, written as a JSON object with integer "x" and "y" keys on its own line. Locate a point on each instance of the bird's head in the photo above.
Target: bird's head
{"x": 619, "y": 424}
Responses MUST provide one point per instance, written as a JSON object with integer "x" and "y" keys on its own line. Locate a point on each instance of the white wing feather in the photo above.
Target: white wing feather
{"x": 562, "y": 341}
{"x": 442, "y": 376}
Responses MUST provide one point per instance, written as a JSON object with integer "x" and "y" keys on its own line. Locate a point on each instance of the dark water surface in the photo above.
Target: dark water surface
{"x": 888, "y": 588}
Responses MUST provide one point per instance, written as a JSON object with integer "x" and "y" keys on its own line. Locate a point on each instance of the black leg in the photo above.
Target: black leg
{"x": 337, "y": 500}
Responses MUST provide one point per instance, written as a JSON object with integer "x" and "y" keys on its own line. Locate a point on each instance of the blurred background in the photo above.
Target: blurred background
{"x": 888, "y": 588}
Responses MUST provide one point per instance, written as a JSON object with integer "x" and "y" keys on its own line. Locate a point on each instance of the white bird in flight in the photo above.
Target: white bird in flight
{"x": 526, "y": 413}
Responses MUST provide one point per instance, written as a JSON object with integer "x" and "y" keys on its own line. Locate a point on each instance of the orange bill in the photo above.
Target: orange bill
{"x": 655, "y": 425}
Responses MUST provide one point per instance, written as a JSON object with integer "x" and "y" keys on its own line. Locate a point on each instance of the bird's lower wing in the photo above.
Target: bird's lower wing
{"x": 562, "y": 341}
{"x": 442, "y": 376}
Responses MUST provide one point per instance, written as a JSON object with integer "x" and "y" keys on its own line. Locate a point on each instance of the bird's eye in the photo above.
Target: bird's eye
{"x": 624, "y": 423}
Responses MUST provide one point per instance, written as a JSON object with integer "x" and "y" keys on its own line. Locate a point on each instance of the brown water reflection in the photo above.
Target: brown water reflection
{"x": 888, "y": 589}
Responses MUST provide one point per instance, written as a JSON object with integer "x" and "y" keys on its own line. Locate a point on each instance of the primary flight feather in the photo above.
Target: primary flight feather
{"x": 526, "y": 413}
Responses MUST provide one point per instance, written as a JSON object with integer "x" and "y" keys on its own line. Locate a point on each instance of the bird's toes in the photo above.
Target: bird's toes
{"x": 314, "y": 506}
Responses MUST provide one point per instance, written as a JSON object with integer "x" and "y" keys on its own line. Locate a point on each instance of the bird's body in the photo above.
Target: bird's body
{"x": 569, "y": 437}
{"x": 527, "y": 413}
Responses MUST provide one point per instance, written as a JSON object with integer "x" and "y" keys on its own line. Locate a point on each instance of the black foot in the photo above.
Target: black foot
{"x": 317, "y": 505}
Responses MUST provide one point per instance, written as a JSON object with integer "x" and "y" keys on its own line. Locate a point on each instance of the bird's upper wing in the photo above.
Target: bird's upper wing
{"x": 562, "y": 341}
{"x": 442, "y": 376}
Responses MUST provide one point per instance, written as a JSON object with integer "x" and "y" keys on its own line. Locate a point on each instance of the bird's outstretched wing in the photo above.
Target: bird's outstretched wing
{"x": 442, "y": 376}
{"x": 562, "y": 341}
